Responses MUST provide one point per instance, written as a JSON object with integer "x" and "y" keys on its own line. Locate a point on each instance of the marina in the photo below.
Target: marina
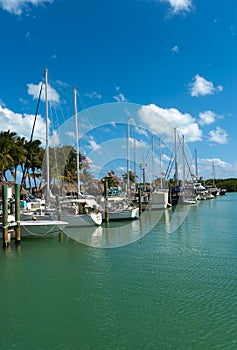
{"x": 87, "y": 211}
{"x": 118, "y": 176}
{"x": 167, "y": 282}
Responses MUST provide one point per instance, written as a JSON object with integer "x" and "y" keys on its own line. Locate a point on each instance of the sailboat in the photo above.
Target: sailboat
{"x": 83, "y": 210}
{"x": 30, "y": 226}
{"x": 76, "y": 212}
{"x": 159, "y": 197}
{"x": 119, "y": 208}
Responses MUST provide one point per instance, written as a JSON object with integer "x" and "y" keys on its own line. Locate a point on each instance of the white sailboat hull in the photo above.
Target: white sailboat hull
{"x": 124, "y": 214}
{"x": 159, "y": 200}
{"x": 83, "y": 220}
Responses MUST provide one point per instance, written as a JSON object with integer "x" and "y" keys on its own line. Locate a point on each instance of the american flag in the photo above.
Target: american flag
{"x": 86, "y": 160}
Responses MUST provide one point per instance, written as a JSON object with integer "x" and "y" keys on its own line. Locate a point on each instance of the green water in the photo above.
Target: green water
{"x": 167, "y": 290}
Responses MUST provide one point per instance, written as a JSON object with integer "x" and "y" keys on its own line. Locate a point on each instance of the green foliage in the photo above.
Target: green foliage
{"x": 111, "y": 179}
{"x": 7, "y": 150}
{"x": 229, "y": 184}
{"x": 18, "y": 152}
{"x": 132, "y": 176}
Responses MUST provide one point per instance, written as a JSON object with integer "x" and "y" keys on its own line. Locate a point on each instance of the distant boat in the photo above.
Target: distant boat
{"x": 119, "y": 208}
{"x": 189, "y": 200}
{"x": 222, "y": 191}
{"x": 159, "y": 199}
{"x": 80, "y": 212}
{"x": 76, "y": 212}
{"x": 203, "y": 192}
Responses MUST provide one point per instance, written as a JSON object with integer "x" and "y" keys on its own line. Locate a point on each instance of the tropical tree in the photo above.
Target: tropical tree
{"x": 19, "y": 153}
{"x": 86, "y": 176}
{"x": 7, "y": 142}
{"x": 132, "y": 176}
{"x": 70, "y": 169}
{"x": 35, "y": 160}
{"x": 112, "y": 180}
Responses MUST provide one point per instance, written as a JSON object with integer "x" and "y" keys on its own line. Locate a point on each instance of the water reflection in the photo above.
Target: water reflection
{"x": 177, "y": 217}
{"x": 118, "y": 234}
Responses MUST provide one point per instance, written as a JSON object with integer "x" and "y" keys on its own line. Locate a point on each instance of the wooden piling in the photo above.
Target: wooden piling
{"x": 106, "y": 201}
{"x": 59, "y": 209}
{"x": 5, "y": 236}
{"x": 17, "y": 214}
{"x": 140, "y": 200}
{"x": 170, "y": 194}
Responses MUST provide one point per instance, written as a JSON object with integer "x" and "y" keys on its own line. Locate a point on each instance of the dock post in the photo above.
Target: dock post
{"x": 170, "y": 194}
{"x": 106, "y": 201}
{"x": 17, "y": 214}
{"x": 59, "y": 211}
{"x": 5, "y": 236}
{"x": 140, "y": 200}
{"x": 58, "y": 205}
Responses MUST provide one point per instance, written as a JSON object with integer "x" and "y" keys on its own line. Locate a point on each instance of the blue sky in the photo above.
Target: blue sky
{"x": 153, "y": 61}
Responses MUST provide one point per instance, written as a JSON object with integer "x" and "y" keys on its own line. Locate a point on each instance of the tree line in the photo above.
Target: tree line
{"x": 229, "y": 184}
{"x": 18, "y": 155}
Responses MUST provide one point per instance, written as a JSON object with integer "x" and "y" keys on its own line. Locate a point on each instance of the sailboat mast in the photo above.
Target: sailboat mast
{"x": 196, "y": 165}
{"x": 128, "y": 154}
{"x": 77, "y": 141}
{"x": 175, "y": 156}
{"x": 135, "y": 161}
{"x": 161, "y": 173}
{"x": 47, "y": 133}
{"x": 183, "y": 160}
{"x": 213, "y": 174}
{"x": 153, "y": 168}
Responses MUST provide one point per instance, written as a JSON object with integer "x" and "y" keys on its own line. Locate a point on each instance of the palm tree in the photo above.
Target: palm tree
{"x": 7, "y": 142}
{"x": 85, "y": 176}
{"x": 111, "y": 179}
{"x": 70, "y": 169}
{"x": 19, "y": 153}
{"x": 132, "y": 176}
{"x": 36, "y": 155}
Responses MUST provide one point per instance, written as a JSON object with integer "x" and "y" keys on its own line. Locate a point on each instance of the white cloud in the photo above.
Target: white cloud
{"x": 55, "y": 139}
{"x": 22, "y": 124}
{"x": 120, "y": 97}
{"x": 165, "y": 157}
{"x": 139, "y": 144}
{"x": 207, "y": 117}
{"x": 161, "y": 121}
{"x": 222, "y": 168}
{"x": 34, "y": 91}
{"x": 16, "y": 7}
{"x": 175, "y": 49}
{"x": 179, "y": 6}
{"x": 140, "y": 130}
{"x": 71, "y": 134}
{"x": 202, "y": 87}
{"x": 93, "y": 146}
{"x": 94, "y": 95}
{"x": 191, "y": 132}
{"x": 219, "y": 136}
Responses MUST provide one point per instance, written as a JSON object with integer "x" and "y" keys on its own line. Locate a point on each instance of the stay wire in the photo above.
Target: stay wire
{"x": 31, "y": 136}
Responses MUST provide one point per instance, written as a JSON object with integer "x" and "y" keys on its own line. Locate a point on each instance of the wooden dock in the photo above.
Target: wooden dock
{"x": 10, "y": 228}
